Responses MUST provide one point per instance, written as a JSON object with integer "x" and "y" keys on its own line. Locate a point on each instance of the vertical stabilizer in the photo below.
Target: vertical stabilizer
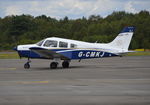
{"x": 122, "y": 41}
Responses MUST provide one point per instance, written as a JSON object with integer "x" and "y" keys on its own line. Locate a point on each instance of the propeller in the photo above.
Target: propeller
{"x": 16, "y": 49}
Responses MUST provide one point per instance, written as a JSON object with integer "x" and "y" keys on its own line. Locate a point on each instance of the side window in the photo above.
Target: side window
{"x": 73, "y": 46}
{"x": 63, "y": 44}
{"x": 50, "y": 43}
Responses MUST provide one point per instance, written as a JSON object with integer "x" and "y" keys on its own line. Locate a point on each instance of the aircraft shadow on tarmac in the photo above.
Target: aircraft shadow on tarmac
{"x": 59, "y": 68}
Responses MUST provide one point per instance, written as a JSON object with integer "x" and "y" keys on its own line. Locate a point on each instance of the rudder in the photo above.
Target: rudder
{"x": 122, "y": 41}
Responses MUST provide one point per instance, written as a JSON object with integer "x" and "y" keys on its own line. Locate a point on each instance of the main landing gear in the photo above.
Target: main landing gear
{"x": 54, "y": 65}
{"x": 65, "y": 64}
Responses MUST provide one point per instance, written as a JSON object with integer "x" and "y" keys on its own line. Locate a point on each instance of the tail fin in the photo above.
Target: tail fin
{"x": 122, "y": 41}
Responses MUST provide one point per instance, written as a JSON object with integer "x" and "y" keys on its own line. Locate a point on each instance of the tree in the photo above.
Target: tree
{"x": 28, "y": 29}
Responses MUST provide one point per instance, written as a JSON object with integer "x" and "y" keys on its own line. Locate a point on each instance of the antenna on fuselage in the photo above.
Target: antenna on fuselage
{"x": 79, "y": 60}
{"x": 96, "y": 41}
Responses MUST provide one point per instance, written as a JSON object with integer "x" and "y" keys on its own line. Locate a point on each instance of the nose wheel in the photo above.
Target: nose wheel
{"x": 27, "y": 65}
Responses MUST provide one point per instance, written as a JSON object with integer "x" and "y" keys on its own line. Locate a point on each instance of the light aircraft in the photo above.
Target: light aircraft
{"x": 58, "y": 49}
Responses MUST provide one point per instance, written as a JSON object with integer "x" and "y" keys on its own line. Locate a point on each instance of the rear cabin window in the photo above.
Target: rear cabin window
{"x": 50, "y": 43}
{"x": 73, "y": 46}
{"x": 63, "y": 44}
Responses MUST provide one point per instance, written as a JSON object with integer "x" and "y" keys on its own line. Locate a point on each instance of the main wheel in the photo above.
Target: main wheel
{"x": 65, "y": 64}
{"x": 27, "y": 65}
{"x": 53, "y": 65}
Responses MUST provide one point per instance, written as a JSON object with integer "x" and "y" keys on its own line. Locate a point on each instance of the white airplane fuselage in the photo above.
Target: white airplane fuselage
{"x": 67, "y": 49}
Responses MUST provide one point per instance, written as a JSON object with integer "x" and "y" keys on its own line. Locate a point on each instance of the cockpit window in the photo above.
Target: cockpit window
{"x": 40, "y": 43}
{"x": 50, "y": 43}
{"x": 73, "y": 46}
{"x": 63, "y": 44}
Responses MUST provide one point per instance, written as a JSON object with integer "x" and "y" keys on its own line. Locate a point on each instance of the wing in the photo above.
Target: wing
{"x": 47, "y": 53}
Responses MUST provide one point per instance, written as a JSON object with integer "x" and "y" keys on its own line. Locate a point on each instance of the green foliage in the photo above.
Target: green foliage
{"x": 25, "y": 29}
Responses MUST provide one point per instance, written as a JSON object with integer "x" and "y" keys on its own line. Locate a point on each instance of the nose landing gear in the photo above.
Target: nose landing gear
{"x": 27, "y": 65}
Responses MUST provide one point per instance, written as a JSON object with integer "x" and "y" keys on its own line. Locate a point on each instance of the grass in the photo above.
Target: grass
{"x": 9, "y": 55}
{"x": 140, "y": 53}
{"x": 14, "y": 55}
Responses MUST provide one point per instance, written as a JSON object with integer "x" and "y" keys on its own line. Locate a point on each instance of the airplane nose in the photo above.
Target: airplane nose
{"x": 15, "y": 48}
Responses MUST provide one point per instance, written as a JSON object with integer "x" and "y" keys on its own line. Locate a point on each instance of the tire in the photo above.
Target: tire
{"x": 53, "y": 65}
{"x": 65, "y": 64}
{"x": 26, "y": 65}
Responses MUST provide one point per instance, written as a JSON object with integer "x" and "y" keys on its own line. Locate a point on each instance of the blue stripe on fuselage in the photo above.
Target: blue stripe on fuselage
{"x": 70, "y": 53}
{"x": 86, "y": 54}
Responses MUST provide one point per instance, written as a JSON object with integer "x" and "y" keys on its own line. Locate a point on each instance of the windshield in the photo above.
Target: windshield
{"x": 40, "y": 43}
{"x": 50, "y": 43}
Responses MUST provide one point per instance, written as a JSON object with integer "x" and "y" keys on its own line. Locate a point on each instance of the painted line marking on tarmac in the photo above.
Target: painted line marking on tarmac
{"x": 11, "y": 68}
{"x": 33, "y": 82}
